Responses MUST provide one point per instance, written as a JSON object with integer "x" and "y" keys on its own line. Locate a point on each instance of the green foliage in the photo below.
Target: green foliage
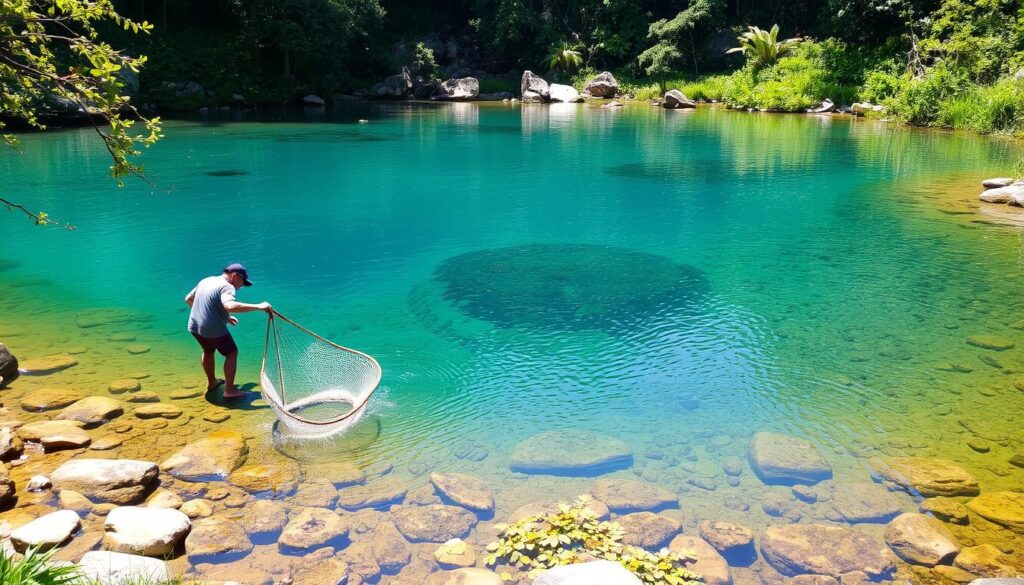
{"x": 791, "y": 84}
{"x": 977, "y": 37}
{"x": 573, "y": 533}
{"x": 564, "y": 56}
{"x": 35, "y": 568}
{"x": 669, "y": 34}
{"x": 762, "y": 47}
{"x": 423, "y": 62}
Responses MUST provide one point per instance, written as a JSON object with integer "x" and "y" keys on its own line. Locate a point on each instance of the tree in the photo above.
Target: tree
{"x": 670, "y": 34}
{"x": 565, "y": 57}
{"x": 762, "y": 47}
{"x": 50, "y": 55}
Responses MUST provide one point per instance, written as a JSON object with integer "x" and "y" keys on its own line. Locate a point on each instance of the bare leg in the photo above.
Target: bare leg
{"x": 230, "y": 366}
{"x": 209, "y": 368}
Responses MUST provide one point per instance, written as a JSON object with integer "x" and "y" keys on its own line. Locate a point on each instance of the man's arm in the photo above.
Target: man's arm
{"x": 237, "y": 307}
{"x": 190, "y": 297}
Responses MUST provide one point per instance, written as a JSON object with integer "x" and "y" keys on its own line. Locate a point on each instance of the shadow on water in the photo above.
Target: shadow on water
{"x": 705, "y": 170}
{"x": 226, "y": 173}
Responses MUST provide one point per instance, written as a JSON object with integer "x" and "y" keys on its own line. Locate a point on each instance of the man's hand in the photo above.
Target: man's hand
{"x": 232, "y": 320}
{"x": 265, "y": 306}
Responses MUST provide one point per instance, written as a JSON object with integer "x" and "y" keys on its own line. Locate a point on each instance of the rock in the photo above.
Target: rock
{"x": 8, "y": 492}
{"x": 340, "y": 473}
{"x": 647, "y": 530}
{"x": 711, "y": 565}
{"x": 38, "y": 483}
{"x": 375, "y": 495}
{"x": 330, "y": 571}
{"x": 11, "y": 446}
{"x": 389, "y": 547}
{"x": 1002, "y": 194}
{"x": 46, "y": 532}
{"x": 264, "y": 517}
{"x": 1017, "y": 460}
{"x": 198, "y": 509}
{"x": 824, "y": 550}
{"x": 464, "y": 490}
{"x": 1003, "y": 508}
{"x": 186, "y": 394}
{"x": 74, "y": 501}
{"x": 137, "y": 348}
{"x": 214, "y": 537}
{"x": 8, "y": 367}
{"x": 812, "y": 580}
{"x": 312, "y": 528}
{"x": 464, "y": 89}
{"x": 864, "y": 502}
{"x": 564, "y": 94}
{"x": 613, "y": 104}
{"x": 805, "y": 494}
{"x": 466, "y": 576}
{"x": 143, "y": 397}
{"x": 570, "y": 452}
{"x": 534, "y": 87}
{"x": 781, "y": 459}
{"x": 209, "y": 459}
{"x": 277, "y": 478}
{"x": 49, "y": 399}
{"x": 124, "y": 385}
{"x": 946, "y": 509}
{"x": 954, "y": 574}
{"x": 674, "y": 99}
{"x": 603, "y": 85}
{"x": 624, "y": 495}
{"x": 726, "y": 536}
{"x": 993, "y": 342}
{"x": 921, "y": 540}
{"x": 997, "y": 183}
{"x": 530, "y": 97}
{"x": 826, "y": 106}
{"x": 150, "y": 532}
{"x": 117, "y": 481}
{"x": 999, "y": 581}
{"x": 316, "y": 493}
{"x": 591, "y": 573}
{"x": 111, "y": 568}
{"x": 394, "y": 87}
{"x": 861, "y": 108}
{"x": 360, "y": 561}
{"x": 928, "y": 477}
{"x": 158, "y": 410}
{"x": 106, "y": 443}
{"x": 455, "y": 553}
{"x": 46, "y": 365}
{"x": 435, "y": 523}
{"x": 987, "y": 561}
{"x": 314, "y": 101}
{"x": 109, "y": 316}
{"x": 55, "y": 435}
{"x": 163, "y": 498}
{"x": 93, "y": 410}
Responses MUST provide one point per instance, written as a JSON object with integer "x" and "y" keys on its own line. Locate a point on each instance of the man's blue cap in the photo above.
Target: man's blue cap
{"x": 239, "y": 269}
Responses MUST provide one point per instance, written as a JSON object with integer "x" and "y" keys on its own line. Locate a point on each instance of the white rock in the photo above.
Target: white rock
{"x": 38, "y": 483}
{"x": 145, "y": 531}
{"x": 565, "y": 94}
{"x": 47, "y": 531}
{"x": 112, "y": 568}
{"x": 996, "y": 183}
{"x": 1002, "y": 194}
{"x": 592, "y": 573}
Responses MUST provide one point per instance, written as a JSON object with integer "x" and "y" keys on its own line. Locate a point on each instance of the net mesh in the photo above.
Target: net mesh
{"x": 315, "y": 387}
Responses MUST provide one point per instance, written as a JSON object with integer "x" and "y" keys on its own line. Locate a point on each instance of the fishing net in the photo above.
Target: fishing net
{"x": 316, "y": 388}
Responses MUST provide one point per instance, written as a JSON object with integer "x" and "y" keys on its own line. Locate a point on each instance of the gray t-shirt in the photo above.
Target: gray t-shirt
{"x": 208, "y": 317}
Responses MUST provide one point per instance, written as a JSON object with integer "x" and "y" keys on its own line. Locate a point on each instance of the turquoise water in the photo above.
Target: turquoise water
{"x": 679, "y": 280}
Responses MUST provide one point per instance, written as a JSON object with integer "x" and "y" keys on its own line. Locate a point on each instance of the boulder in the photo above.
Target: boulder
{"x": 674, "y": 99}
{"x": 825, "y": 107}
{"x": 395, "y": 87}
{"x": 781, "y": 459}
{"x": 464, "y": 490}
{"x": 277, "y": 478}
{"x": 927, "y": 477}
{"x": 264, "y": 517}
{"x": 726, "y": 536}
{"x": 603, "y": 85}
{"x": 111, "y": 568}
{"x": 647, "y": 530}
{"x": 987, "y": 560}
{"x": 152, "y": 532}
{"x": 313, "y": 101}
{"x": 359, "y": 558}
{"x": 46, "y": 365}
{"x": 49, "y": 399}
{"x": 116, "y": 481}
{"x": 312, "y": 528}
{"x": 861, "y": 108}
{"x": 997, "y": 183}
{"x": 459, "y": 90}
{"x": 55, "y": 435}
{"x": 534, "y": 87}
{"x": 465, "y": 576}
{"x": 209, "y": 459}
{"x": 8, "y": 367}
{"x": 794, "y": 549}
{"x": 389, "y": 547}
{"x": 93, "y": 410}
{"x": 711, "y": 565}
{"x": 11, "y": 447}
{"x": 921, "y": 540}
{"x": 625, "y": 495}
{"x": 46, "y": 532}
{"x": 591, "y": 573}
{"x": 864, "y": 502}
{"x": 435, "y": 523}
{"x": 74, "y": 501}
{"x": 530, "y": 97}
{"x": 570, "y": 452}
{"x": 1001, "y": 194}
{"x": 8, "y": 493}
{"x": 1003, "y": 508}
{"x": 215, "y": 537}
{"x": 38, "y": 483}
{"x": 564, "y": 94}
{"x": 424, "y": 90}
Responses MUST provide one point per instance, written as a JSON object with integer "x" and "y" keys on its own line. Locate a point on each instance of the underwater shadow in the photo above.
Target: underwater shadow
{"x": 216, "y": 398}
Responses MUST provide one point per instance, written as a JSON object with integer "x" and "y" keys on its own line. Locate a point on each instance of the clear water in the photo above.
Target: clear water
{"x": 679, "y": 280}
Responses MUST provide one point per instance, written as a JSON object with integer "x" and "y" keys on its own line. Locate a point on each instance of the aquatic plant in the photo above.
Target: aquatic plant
{"x": 573, "y": 534}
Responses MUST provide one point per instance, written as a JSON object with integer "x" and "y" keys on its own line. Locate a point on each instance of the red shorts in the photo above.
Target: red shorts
{"x": 225, "y": 344}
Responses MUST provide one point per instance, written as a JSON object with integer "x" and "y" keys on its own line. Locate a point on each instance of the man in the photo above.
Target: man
{"x": 212, "y": 301}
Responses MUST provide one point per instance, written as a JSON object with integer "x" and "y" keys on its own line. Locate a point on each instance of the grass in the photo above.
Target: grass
{"x": 38, "y": 568}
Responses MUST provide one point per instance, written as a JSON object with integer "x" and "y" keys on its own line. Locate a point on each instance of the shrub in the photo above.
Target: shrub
{"x": 423, "y": 62}
{"x": 762, "y": 47}
{"x": 791, "y": 84}
{"x": 985, "y": 109}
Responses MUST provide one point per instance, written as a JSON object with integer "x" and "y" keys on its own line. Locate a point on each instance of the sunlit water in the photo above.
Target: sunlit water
{"x": 679, "y": 280}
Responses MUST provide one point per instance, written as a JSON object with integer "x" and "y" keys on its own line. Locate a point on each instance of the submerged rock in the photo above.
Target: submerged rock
{"x": 93, "y": 410}
{"x": 50, "y": 364}
{"x": 864, "y": 502}
{"x": 212, "y": 458}
{"x": 49, "y": 399}
{"x": 711, "y": 565}
{"x": 824, "y": 550}
{"x": 55, "y": 435}
{"x": 312, "y": 528}
{"x": 987, "y": 560}
{"x": 946, "y": 509}
{"x": 921, "y": 540}
{"x": 465, "y": 576}
{"x": 465, "y": 490}
{"x": 158, "y": 410}
{"x": 455, "y": 553}
{"x": 264, "y": 517}
{"x": 145, "y": 531}
{"x": 993, "y": 342}
{"x": 926, "y": 476}
{"x": 278, "y": 478}
{"x": 436, "y": 523}
{"x": 726, "y": 536}
{"x": 590, "y": 573}
{"x": 374, "y": 495}
{"x": 1003, "y": 508}
{"x": 123, "y": 385}
{"x": 389, "y": 547}
{"x": 570, "y": 452}
{"x": 46, "y": 532}
{"x": 215, "y": 537}
{"x": 117, "y": 481}
{"x": 781, "y": 459}
{"x": 626, "y": 495}
{"x": 647, "y": 530}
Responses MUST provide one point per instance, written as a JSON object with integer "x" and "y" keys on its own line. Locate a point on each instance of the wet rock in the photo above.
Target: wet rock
{"x": 590, "y": 573}
{"x": 997, "y": 183}
{"x": 312, "y": 528}
{"x": 92, "y": 410}
{"x": 143, "y": 397}
{"x": 198, "y": 509}
{"x": 324, "y": 572}
{"x": 216, "y": 537}
{"x": 565, "y": 94}
{"x": 437, "y": 523}
{"x": 674, "y": 99}
{"x": 394, "y": 87}
{"x": 46, "y": 365}
{"x": 946, "y": 509}
{"x": 603, "y": 85}
{"x": 1001, "y": 194}
{"x": 55, "y": 435}
{"x": 647, "y": 529}
{"x": 150, "y": 532}
{"x": 781, "y": 459}
{"x": 570, "y": 452}
{"x": 988, "y": 561}
{"x": 625, "y": 495}
{"x": 277, "y": 478}
{"x": 920, "y": 540}
{"x": 1003, "y": 508}
{"x": 954, "y": 574}
{"x": 533, "y": 86}
{"x": 158, "y": 410}
{"x": 464, "y": 490}
{"x": 46, "y": 532}
{"x": 993, "y": 342}
{"x": 74, "y": 501}
{"x": 389, "y": 547}
{"x": 216, "y": 417}
{"x": 340, "y": 473}
{"x": 864, "y": 502}
{"x": 316, "y": 493}
{"x": 805, "y": 494}
{"x": 711, "y": 565}
{"x": 613, "y": 104}
{"x": 726, "y": 537}
{"x": 455, "y": 553}
{"x": 186, "y": 393}
{"x": 732, "y": 466}
{"x": 375, "y": 495}
{"x": 124, "y": 385}
{"x": 209, "y": 459}
{"x": 163, "y": 498}
{"x": 106, "y": 443}
{"x": 11, "y": 447}
{"x": 825, "y": 550}
{"x": 264, "y": 517}
{"x": 8, "y": 367}
{"x": 928, "y": 477}
{"x": 112, "y": 568}
{"x": 812, "y": 580}
{"x": 117, "y": 481}
{"x": 137, "y": 348}
{"x": 49, "y": 399}
{"x": 360, "y": 561}
{"x": 1016, "y": 461}
{"x": 777, "y": 504}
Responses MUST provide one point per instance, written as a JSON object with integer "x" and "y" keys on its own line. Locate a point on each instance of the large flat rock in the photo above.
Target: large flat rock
{"x": 46, "y": 532}
{"x": 55, "y": 435}
{"x": 152, "y": 532}
{"x": 927, "y": 477}
{"x": 464, "y": 490}
{"x": 626, "y": 495}
{"x": 785, "y": 460}
{"x": 437, "y": 523}
{"x": 93, "y": 410}
{"x": 49, "y": 399}
{"x": 216, "y": 538}
{"x": 311, "y": 528}
{"x": 571, "y": 453}
{"x": 1004, "y": 508}
{"x": 796, "y": 549}
{"x": 864, "y": 502}
{"x": 117, "y": 481}
{"x": 209, "y": 459}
